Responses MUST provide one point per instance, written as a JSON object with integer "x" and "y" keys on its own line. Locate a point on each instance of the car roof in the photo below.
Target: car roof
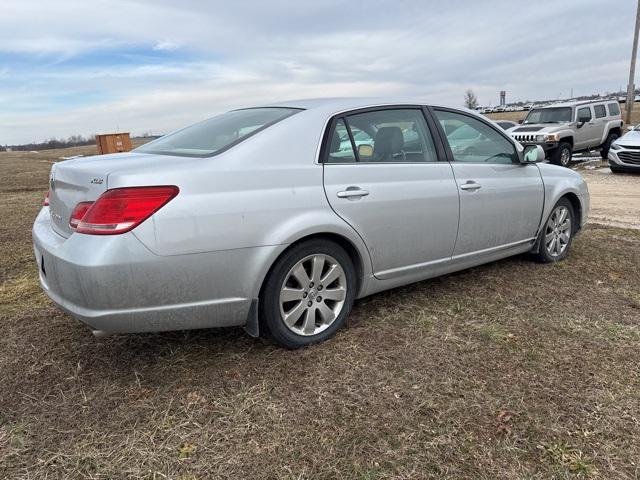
{"x": 579, "y": 103}
{"x": 340, "y": 104}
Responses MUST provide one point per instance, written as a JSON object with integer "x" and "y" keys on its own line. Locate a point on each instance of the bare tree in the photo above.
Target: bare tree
{"x": 470, "y": 99}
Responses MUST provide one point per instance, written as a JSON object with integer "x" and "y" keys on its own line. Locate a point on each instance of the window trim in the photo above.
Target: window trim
{"x": 595, "y": 111}
{"x": 330, "y": 125}
{"x": 609, "y": 109}
{"x": 294, "y": 111}
{"x": 443, "y": 136}
{"x": 588, "y": 107}
{"x": 356, "y": 154}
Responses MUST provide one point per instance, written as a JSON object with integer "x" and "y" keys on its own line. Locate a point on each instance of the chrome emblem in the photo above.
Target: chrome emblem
{"x": 97, "y": 181}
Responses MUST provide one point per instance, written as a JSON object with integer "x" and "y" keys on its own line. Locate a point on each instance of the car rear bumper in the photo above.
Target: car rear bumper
{"x": 114, "y": 284}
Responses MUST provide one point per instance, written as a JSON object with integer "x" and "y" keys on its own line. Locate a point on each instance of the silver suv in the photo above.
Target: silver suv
{"x": 564, "y": 128}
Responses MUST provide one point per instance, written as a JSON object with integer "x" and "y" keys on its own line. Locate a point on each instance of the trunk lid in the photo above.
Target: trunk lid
{"x": 81, "y": 180}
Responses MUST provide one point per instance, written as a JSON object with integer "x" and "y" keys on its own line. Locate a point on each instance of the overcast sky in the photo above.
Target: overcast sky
{"x": 81, "y": 67}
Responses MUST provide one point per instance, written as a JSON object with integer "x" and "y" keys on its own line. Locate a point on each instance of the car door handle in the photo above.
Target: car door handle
{"x": 352, "y": 192}
{"x": 470, "y": 185}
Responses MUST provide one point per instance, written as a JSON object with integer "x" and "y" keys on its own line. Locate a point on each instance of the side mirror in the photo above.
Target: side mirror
{"x": 520, "y": 121}
{"x": 533, "y": 154}
{"x": 584, "y": 119}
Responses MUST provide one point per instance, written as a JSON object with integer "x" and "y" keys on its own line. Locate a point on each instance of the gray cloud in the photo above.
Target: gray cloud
{"x": 226, "y": 54}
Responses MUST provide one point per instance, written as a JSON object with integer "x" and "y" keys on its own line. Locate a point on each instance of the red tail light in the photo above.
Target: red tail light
{"x": 122, "y": 209}
{"x": 45, "y": 202}
{"x": 78, "y": 213}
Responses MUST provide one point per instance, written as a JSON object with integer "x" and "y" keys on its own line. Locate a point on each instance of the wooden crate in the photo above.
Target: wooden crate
{"x": 113, "y": 143}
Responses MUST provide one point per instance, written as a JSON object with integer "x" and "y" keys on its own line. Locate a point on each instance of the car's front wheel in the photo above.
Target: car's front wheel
{"x": 562, "y": 154}
{"x": 308, "y": 293}
{"x": 556, "y": 236}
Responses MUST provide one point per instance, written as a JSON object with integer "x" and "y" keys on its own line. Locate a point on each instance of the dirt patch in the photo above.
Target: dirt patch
{"x": 615, "y": 197}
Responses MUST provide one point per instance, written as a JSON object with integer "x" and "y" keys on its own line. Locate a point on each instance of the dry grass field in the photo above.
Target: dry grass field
{"x": 515, "y": 116}
{"x": 512, "y": 370}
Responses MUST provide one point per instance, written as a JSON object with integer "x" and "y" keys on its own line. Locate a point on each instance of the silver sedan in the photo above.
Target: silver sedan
{"x": 276, "y": 218}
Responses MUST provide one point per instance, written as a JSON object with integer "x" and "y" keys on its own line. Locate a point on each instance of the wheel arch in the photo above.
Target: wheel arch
{"x": 567, "y": 139}
{"x": 347, "y": 244}
{"x": 616, "y": 130}
{"x": 576, "y": 204}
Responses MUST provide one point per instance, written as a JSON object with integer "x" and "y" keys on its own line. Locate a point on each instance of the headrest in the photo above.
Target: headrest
{"x": 388, "y": 141}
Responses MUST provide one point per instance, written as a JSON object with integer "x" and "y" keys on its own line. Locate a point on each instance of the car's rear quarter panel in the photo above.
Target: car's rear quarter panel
{"x": 267, "y": 191}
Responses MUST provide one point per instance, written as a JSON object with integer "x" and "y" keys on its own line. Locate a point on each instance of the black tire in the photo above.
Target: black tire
{"x": 543, "y": 253}
{"x": 561, "y": 155}
{"x": 271, "y": 317}
{"x": 604, "y": 151}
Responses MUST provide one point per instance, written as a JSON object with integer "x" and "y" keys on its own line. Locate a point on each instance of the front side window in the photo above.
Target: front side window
{"x": 215, "y": 134}
{"x": 583, "y": 113}
{"x": 472, "y": 140}
{"x": 391, "y": 136}
{"x": 599, "y": 111}
{"x": 549, "y": 115}
{"x": 614, "y": 109}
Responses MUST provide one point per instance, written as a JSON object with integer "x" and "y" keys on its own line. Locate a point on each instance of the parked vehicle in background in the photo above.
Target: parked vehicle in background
{"x": 624, "y": 154}
{"x": 506, "y": 124}
{"x": 564, "y": 128}
{"x": 275, "y": 218}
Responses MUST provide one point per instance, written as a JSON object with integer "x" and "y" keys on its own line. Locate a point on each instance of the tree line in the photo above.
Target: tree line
{"x": 72, "y": 141}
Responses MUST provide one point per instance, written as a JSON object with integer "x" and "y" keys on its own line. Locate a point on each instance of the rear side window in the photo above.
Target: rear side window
{"x": 600, "y": 111}
{"x": 391, "y": 136}
{"x": 584, "y": 112}
{"x": 614, "y": 109}
{"x": 211, "y": 136}
{"x": 472, "y": 140}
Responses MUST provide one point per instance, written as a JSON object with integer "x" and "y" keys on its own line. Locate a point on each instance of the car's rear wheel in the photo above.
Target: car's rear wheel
{"x": 604, "y": 151}
{"x": 308, "y": 294}
{"x": 557, "y": 234}
{"x": 561, "y": 155}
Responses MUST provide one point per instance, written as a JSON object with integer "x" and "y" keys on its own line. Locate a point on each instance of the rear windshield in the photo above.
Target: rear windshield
{"x": 218, "y": 133}
{"x": 549, "y": 115}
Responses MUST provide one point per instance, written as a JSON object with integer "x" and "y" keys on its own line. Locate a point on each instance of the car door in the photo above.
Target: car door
{"x": 588, "y": 134}
{"x": 501, "y": 200}
{"x": 384, "y": 175}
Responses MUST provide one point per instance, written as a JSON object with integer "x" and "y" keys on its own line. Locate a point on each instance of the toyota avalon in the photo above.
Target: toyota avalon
{"x": 277, "y": 218}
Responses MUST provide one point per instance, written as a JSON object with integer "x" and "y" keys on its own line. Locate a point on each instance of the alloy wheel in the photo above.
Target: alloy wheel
{"x": 558, "y": 231}
{"x": 313, "y": 294}
{"x": 565, "y": 157}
